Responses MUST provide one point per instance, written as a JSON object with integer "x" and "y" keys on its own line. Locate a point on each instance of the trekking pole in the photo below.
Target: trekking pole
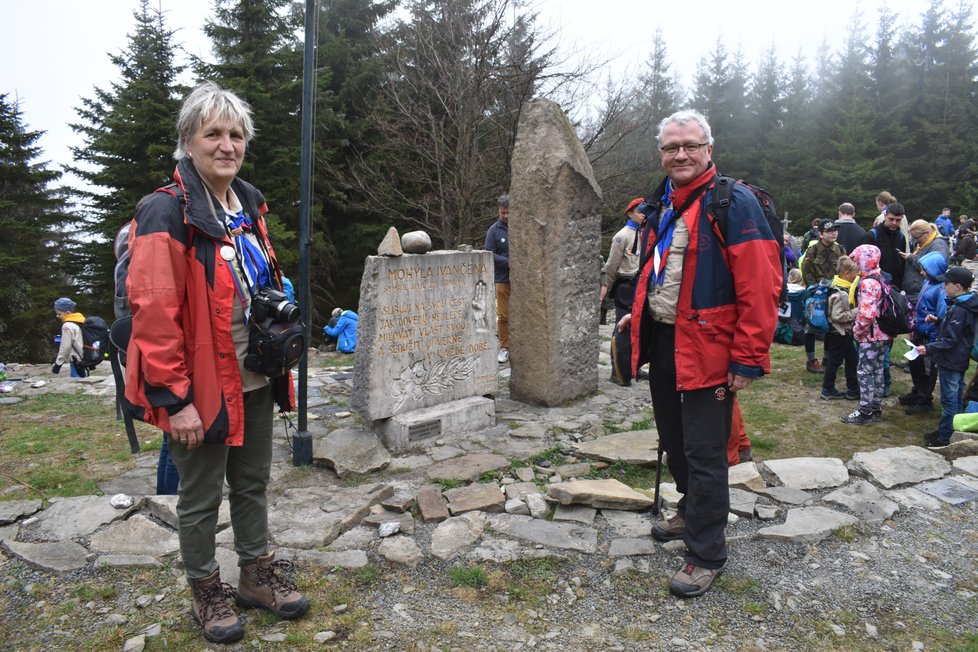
{"x": 658, "y": 478}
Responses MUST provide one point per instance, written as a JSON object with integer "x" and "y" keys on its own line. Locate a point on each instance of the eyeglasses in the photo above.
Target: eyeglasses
{"x": 689, "y": 148}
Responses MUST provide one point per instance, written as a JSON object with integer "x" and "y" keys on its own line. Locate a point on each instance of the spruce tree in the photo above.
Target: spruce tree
{"x": 765, "y": 114}
{"x": 942, "y": 67}
{"x": 259, "y": 57}
{"x": 33, "y": 223}
{"x": 790, "y": 165}
{"x": 854, "y": 165}
{"x": 349, "y": 78}
{"x": 129, "y": 136}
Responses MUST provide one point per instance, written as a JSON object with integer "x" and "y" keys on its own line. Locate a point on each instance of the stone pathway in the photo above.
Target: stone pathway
{"x": 494, "y": 510}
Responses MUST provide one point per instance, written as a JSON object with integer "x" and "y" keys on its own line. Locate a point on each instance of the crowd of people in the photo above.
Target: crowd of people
{"x": 932, "y": 264}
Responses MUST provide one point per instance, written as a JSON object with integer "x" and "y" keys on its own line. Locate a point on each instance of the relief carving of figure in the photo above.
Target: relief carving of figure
{"x": 479, "y": 312}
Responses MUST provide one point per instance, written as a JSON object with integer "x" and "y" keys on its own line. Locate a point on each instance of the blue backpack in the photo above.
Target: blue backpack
{"x": 817, "y": 306}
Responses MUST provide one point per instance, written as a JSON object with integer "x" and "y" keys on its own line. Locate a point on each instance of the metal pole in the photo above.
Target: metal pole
{"x": 305, "y": 213}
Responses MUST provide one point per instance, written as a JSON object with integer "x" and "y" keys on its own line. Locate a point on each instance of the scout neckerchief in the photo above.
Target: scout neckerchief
{"x": 255, "y": 265}
{"x": 667, "y": 226}
{"x": 248, "y": 264}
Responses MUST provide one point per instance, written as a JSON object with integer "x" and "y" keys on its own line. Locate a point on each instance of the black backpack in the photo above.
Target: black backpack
{"x": 95, "y": 342}
{"x": 897, "y": 315}
{"x": 117, "y": 337}
{"x": 722, "y": 191}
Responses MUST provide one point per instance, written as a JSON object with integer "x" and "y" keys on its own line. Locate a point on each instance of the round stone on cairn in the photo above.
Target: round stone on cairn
{"x": 416, "y": 242}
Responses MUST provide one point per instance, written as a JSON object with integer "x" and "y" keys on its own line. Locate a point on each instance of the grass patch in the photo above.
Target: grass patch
{"x": 64, "y": 444}
{"x": 552, "y": 455}
{"x": 845, "y": 533}
{"x": 786, "y": 418}
{"x": 630, "y": 474}
{"x": 527, "y": 580}
{"x": 643, "y": 424}
{"x": 762, "y": 444}
{"x": 449, "y": 483}
{"x": 755, "y": 608}
{"x": 467, "y": 576}
{"x": 367, "y": 576}
{"x": 737, "y": 584}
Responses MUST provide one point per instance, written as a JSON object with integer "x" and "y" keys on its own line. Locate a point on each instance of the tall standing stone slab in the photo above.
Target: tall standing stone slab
{"x": 555, "y": 230}
{"x": 426, "y": 337}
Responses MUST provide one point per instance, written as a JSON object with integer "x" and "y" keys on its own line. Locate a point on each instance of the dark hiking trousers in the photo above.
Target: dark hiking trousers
{"x": 694, "y": 427}
{"x": 621, "y": 354}
{"x": 839, "y": 350}
{"x": 923, "y": 371}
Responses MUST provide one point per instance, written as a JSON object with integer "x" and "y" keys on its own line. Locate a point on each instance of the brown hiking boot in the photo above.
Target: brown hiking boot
{"x": 261, "y": 587}
{"x": 670, "y": 529}
{"x": 692, "y": 581}
{"x": 212, "y": 611}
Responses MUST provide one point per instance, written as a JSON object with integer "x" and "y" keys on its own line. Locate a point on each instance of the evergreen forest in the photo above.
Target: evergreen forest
{"x": 416, "y": 108}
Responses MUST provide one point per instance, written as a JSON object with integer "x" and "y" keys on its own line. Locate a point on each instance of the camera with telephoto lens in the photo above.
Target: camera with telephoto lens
{"x": 270, "y": 303}
{"x": 277, "y": 340}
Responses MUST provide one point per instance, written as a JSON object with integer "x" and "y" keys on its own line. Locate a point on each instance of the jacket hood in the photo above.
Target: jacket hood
{"x": 74, "y": 317}
{"x": 934, "y": 265}
{"x": 867, "y": 257}
{"x": 967, "y": 301}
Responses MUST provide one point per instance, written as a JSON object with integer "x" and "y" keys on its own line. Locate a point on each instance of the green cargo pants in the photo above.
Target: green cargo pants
{"x": 202, "y": 473}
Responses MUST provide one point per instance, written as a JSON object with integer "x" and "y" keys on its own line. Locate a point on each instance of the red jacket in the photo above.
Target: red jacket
{"x": 728, "y": 297}
{"x": 181, "y": 293}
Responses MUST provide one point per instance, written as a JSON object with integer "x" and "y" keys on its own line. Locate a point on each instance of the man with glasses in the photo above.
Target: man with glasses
{"x": 705, "y": 309}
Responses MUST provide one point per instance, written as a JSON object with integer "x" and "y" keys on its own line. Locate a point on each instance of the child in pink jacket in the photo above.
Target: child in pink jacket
{"x": 873, "y": 343}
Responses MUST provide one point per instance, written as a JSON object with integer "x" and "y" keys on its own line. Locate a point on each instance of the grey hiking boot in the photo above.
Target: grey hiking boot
{"x": 692, "y": 581}
{"x": 745, "y": 455}
{"x": 669, "y": 529}
{"x": 211, "y": 610}
{"x": 261, "y": 587}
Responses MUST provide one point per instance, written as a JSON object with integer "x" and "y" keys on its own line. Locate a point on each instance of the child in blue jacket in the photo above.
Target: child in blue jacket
{"x": 345, "y": 331}
{"x": 931, "y": 301}
{"x": 951, "y": 350}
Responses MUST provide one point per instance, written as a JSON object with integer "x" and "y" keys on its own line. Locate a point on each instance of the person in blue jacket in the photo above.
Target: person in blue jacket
{"x": 345, "y": 330}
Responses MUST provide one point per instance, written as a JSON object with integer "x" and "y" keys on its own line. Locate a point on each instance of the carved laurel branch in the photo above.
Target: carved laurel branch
{"x": 445, "y": 373}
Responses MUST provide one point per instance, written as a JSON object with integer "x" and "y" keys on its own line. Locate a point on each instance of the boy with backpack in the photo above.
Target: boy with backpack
{"x": 839, "y": 346}
{"x": 819, "y": 264}
{"x": 951, "y": 350}
{"x": 874, "y": 344}
{"x": 72, "y": 345}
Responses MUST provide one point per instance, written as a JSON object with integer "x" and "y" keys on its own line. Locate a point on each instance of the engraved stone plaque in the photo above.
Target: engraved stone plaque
{"x": 427, "y": 332}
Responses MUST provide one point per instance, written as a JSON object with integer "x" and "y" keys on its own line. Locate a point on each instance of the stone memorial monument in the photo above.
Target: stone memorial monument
{"x": 426, "y": 345}
{"x": 555, "y": 233}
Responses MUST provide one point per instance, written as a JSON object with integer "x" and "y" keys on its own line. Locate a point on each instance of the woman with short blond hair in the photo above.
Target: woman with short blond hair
{"x": 924, "y": 240}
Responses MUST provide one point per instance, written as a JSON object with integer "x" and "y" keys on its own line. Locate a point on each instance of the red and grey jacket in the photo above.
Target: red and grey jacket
{"x": 728, "y": 296}
{"x": 181, "y": 293}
